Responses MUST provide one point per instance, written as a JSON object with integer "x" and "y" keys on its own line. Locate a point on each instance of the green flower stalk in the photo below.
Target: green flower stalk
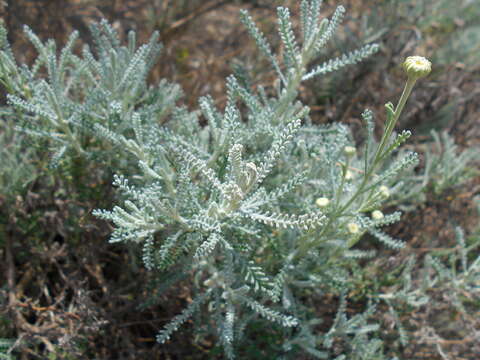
{"x": 416, "y": 67}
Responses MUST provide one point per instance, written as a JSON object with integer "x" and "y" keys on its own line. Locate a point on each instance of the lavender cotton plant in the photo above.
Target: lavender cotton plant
{"x": 260, "y": 209}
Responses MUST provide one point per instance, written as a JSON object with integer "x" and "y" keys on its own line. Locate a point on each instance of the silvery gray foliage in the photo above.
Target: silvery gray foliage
{"x": 233, "y": 202}
{"x": 82, "y": 105}
{"x": 16, "y": 164}
{"x": 456, "y": 273}
{"x": 230, "y": 205}
{"x": 445, "y": 168}
{"x": 446, "y": 165}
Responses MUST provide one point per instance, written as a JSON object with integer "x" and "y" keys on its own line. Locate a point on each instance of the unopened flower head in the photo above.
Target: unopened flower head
{"x": 348, "y": 175}
{"x": 353, "y": 228}
{"x": 322, "y": 202}
{"x": 377, "y": 215}
{"x": 417, "y": 67}
{"x": 384, "y": 191}
{"x": 349, "y": 150}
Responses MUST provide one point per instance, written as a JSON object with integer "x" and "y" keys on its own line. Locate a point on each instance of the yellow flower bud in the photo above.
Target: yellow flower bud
{"x": 348, "y": 175}
{"x": 377, "y": 215}
{"x": 353, "y": 228}
{"x": 349, "y": 150}
{"x": 322, "y": 202}
{"x": 417, "y": 67}
{"x": 384, "y": 191}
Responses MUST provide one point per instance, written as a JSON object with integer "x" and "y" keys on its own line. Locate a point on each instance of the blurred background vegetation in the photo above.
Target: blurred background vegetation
{"x": 68, "y": 294}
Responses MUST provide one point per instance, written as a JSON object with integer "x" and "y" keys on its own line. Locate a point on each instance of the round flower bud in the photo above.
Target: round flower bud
{"x": 349, "y": 150}
{"x": 384, "y": 191}
{"x": 322, "y": 202}
{"x": 417, "y": 67}
{"x": 353, "y": 228}
{"x": 377, "y": 215}
{"x": 348, "y": 175}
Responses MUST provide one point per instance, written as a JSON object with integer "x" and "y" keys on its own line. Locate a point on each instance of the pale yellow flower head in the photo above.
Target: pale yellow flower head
{"x": 353, "y": 228}
{"x": 417, "y": 67}
{"x": 322, "y": 202}
{"x": 348, "y": 175}
{"x": 377, "y": 215}
{"x": 349, "y": 150}
{"x": 384, "y": 191}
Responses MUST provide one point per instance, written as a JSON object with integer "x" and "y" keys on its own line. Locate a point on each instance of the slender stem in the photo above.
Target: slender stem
{"x": 292, "y": 84}
{"x": 398, "y": 110}
{"x": 290, "y": 94}
{"x": 342, "y": 184}
{"x": 64, "y": 125}
{"x": 385, "y": 138}
{"x": 403, "y": 99}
